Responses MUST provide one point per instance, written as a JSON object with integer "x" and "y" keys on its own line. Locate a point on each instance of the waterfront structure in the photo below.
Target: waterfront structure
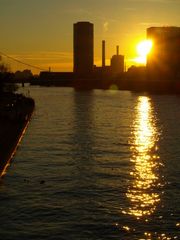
{"x": 15, "y": 113}
{"x": 117, "y": 63}
{"x": 83, "y": 46}
{"x": 164, "y": 60}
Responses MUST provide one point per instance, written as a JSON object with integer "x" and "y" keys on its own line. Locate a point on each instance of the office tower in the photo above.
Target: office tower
{"x": 164, "y": 60}
{"x": 117, "y": 63}
{"x": 83, "y": 48}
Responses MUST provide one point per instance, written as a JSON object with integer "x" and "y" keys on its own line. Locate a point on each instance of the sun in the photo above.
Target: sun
{"x": 143, "y": 49}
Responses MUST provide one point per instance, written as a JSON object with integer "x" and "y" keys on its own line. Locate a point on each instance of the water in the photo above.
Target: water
{"x": 95, "y": 165}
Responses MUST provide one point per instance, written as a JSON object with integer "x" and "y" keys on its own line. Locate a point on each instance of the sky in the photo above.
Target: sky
{"x": 40, "y": 32}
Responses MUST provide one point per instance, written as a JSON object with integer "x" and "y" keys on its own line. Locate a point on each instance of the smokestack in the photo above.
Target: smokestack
{"x": 103, "y": 53}
{"x": 117, "y": 50}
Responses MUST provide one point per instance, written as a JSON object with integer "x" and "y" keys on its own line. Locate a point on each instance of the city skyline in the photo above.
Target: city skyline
{"x": 40, "y": 32}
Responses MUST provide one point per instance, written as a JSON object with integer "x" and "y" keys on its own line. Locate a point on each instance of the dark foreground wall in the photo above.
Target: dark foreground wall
{"x": 15, "y": 113}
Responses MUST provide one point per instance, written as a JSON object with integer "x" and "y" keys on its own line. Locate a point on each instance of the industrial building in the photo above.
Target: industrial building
{"x": 116, "y": 67}
{"x": 164, "y": 60}
{"x": 117, "y": 63}
{"x": 84, "y": 70}
{"x": 83, "y": 46}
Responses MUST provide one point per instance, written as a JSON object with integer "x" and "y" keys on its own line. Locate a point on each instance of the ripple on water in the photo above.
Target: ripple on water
{"x": 95, "y": 165}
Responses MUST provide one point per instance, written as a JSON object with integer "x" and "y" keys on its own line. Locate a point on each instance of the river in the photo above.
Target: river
{"x": 95, "y": 165}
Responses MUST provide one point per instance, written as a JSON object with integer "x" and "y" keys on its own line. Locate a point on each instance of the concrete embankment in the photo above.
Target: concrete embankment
{"x": 15, "y": 113}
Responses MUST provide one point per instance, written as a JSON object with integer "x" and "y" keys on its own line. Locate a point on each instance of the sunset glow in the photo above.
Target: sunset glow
{"x": 143, "y": 49}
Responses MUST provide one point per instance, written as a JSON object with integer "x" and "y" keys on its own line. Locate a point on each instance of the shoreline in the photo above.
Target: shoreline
{"x": 125, "y": 84}
{"x": 13, "y": 126}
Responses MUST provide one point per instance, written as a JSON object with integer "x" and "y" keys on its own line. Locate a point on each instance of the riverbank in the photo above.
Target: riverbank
{"x": 15, "y": 113}
{"x": 136, "y": 84}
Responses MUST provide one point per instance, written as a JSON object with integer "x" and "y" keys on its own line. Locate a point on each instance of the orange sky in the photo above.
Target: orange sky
{"x": 40, "y": 32}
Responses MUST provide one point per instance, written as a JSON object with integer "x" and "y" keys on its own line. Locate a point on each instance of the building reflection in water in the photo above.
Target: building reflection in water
{"x": 143, "y": 192}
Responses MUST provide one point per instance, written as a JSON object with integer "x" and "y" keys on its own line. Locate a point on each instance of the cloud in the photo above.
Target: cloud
{"x": 146, "y": 24}
{"x": 155, "y": 1}
{"x": 153, "y": 24}
{"x": 59, "y": 66}
{"x": 43, "y": 56}
{"x": 78, "y": 11}
{"x": 130, "y": 9}
{"x": 106, "y": 26}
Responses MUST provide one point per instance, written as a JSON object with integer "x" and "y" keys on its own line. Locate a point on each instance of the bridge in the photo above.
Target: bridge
{"x": 14, "y": 64}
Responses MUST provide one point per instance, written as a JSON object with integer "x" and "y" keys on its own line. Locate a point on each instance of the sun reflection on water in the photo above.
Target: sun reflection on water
{"x": 142, "y": 195}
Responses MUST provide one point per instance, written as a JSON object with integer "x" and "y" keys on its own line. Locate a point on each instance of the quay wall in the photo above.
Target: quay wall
{"x": 15, "y": 114}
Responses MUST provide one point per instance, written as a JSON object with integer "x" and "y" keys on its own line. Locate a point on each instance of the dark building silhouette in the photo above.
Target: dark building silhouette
{"x": 116, "y": 68}
{"x": 85, "y": 74}
{"x": 83, "y": 48}
{"x": 164, "y": 60}
{"x": 103, "y": 53}
{"x": 117, "y": 63}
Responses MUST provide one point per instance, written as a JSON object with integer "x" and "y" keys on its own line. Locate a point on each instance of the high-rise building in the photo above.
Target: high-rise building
{"x": 83, "y": 48}
{"x": 164, "y": 60}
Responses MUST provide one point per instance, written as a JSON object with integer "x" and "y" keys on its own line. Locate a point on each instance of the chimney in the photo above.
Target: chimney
{"x": 103, "y": 53}
{"x": 117, "y": 50}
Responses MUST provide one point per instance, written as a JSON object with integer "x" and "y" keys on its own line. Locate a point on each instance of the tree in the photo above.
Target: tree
{"x": 6, "y": 78}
